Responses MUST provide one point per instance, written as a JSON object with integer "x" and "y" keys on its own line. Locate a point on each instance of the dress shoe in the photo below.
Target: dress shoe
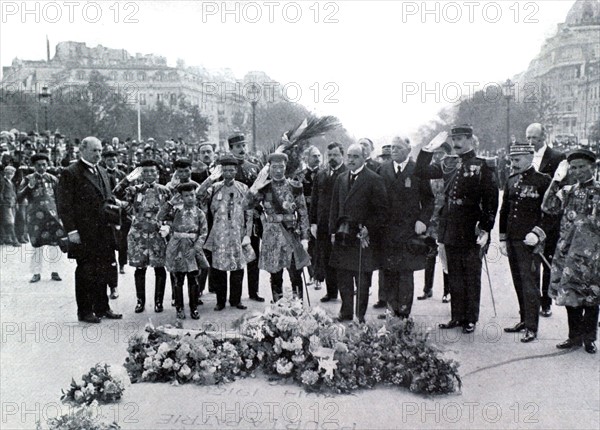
{"x": 520, "y": 326}
{"x": 361, "y": 320}
{"x": 219, "y": 307}
{"x": 239, "y": 306}
{"x": 180, "y": 314}
{"x": 257, "y": 299}
{"x": 35, "y": 278}
{"x": 590, "y": 347}
{"x": 158, "y": 307}
{"x": 114, "y": 294}
{"x": 110, "y": 315}
{"x": 195, "y": 314}
{"x": 546, "y": 312}
{"x": 446, "y": 298}
{"x": 15, "y": 244}
{"x": 381, "y": 317}
{"x": 450, "y": 324}
{"x": 529, "y": 336}
{"x": 173, "y": 303}
{"x": 55, "y": 276}
{"x": 89, "y": 318}
{"x": 569, "y": 343}
{"x": 342, "y": 319}
{"x": 139, "y": 307}
{"x": 326, "y": 299}
{"x": 380, "y": 304}
{"x": 426, "y": 295}
{"x": 318, "y": 285}
{"x": 468, "y": 328}
{"x": 200, "y": 302}
{"x": 122, "y": 270}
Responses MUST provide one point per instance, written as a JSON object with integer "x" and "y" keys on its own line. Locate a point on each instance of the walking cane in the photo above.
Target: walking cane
{"x": 305, "y": 287}
{"x": 487, "y": 270}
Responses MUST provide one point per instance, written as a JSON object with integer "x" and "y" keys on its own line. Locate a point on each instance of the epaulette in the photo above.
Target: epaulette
{"x": 491, "y": 162}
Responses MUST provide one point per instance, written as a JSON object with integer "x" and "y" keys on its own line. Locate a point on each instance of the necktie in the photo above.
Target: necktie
{"x": 352, "y": 179}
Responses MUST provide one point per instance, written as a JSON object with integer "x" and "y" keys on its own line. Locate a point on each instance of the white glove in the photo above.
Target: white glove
{"x": 216, "y": 173}
{"x": 436, "y": 142}
{"x": 420, "y": 228}
{"x": 503, "y": 250}
{"x": 246, "y": 241}
{"x": 483, "y": 238}
{"x": 261, "y": 179}
{"x": 74, "y": 237}
{"x": 304, "y": 244}
{"x": 137, "y": 172}
{"x": 164, "y": 230}
{"x": 313, "y": 230}
{"x": 531, "y": 239}
{"x": 561, "y": 171}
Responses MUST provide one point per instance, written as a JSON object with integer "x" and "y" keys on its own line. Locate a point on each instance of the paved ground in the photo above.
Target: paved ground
{"x": 506, "y": 384}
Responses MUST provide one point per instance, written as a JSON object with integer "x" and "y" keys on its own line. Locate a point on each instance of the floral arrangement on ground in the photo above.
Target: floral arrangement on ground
{"x": 305, "y": 345}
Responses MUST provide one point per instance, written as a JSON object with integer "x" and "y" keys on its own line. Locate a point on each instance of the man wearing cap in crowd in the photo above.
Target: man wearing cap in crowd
{"x": 575, "y": 276}
{"x": 358, "y": 212}
{"x": 466, "y": 220}
{"x": 410, "y": 204}
{"x": 247, "y": 173}
{"x": 319, "y": 218}
{"x": 545, "y": 160}
{"x": 145, "y": 245}
{"x": 522, "y": 235}
{"x": 386, "y": 153}
{"x": 285, "y": 222}
{"x": 230, "y": 227}
{"x": 8, "y": 205}
{"x": 43, "y": 225}
{"x": 82, "y": 192}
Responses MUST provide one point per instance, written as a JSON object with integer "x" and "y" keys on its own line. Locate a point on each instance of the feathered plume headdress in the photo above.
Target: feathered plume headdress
{"x": 295, "y": 141}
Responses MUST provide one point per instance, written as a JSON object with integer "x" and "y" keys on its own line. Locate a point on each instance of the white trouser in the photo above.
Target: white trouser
{"x": 47, "y": 253}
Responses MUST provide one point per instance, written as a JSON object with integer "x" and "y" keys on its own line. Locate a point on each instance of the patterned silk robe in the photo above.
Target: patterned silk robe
{"x": 188, "y": 232}
{"x": 43, "y": 225}
{"x": 145, "y": 247}
{"x": 285, "y": 219}
{"x": 575, "y": 276}
{"x": 231, "y": 220}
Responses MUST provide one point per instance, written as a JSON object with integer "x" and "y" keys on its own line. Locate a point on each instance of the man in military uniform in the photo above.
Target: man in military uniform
{"x": 522, "y": 230}
{"x": 319, "y": 218}
{"x": 285, "y": 223}
{"x": 247, "y": 174}
{"x": 466, "y": 220}
{"x": 545, "y": 160}
{"x": 575, "y": 272}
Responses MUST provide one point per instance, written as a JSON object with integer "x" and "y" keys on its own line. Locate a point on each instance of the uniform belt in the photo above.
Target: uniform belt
{"x": 178, "y": 235}
{"x": 279, "y": 217}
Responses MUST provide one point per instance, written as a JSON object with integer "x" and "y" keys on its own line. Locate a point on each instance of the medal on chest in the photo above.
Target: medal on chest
{"x": 407, "y": 183}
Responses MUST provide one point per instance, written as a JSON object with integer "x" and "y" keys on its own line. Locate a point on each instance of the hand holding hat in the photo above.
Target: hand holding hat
{"x": 561, "y": 171}
{"x": 436, "y": 142}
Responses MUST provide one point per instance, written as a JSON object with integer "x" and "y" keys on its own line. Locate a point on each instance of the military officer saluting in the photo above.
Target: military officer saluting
{"x": 522, "y": 229}
{"x": 466, "y": 219}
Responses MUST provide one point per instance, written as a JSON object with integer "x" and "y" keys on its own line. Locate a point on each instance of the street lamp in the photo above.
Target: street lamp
{"x": 253, "y": 94}
{"x": 509, "y": 92}
{"x": 45, "y": 97}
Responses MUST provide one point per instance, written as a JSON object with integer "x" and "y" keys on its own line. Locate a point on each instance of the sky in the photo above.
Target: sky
{"x": 383, "y": 67}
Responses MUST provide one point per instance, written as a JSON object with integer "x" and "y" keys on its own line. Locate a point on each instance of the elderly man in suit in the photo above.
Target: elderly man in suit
{"x": 319, "y": 218}
{"x": 545, "y": 160}
{"x": 410, "y": 202}
{"x": 358, "y": 210}
{"x": 82, "y": 192}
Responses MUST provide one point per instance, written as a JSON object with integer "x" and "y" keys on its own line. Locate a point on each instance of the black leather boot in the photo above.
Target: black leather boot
{"x": 140, "y": 289}
{"x": 159, "y": 288}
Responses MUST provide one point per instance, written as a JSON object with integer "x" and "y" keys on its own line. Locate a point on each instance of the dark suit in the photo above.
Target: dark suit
{"x": 470, "y": 203}
{"x": 550, "y": 162}
{"x": 520, "y": 214}
{"x": 364, "y": 203}
{"x": 308, "y": 180}
{"x": 80, "y": 197}
{"x": 116, "y": 176}
{"x": 410, "y": 199}
{"x": 319, "y": 215}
